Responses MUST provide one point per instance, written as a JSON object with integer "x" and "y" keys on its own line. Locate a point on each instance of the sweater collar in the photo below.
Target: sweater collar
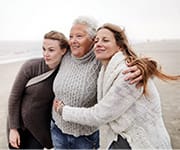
{"x": 109, "y": 74}
{"x": 86, "y": 58}
{"x": 114, "y": 62}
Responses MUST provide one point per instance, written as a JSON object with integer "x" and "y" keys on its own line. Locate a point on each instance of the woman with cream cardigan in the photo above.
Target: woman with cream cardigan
{"x": 130, "y": 117}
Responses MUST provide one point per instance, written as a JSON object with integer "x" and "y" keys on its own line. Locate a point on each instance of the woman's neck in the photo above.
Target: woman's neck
{"x": 53, "y": 66}
{"x": 104, "y": 62}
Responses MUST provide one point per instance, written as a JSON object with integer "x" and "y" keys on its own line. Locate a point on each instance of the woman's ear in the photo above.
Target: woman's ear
{"x": 64, "y": 50}
{"x": 120, "y": 49}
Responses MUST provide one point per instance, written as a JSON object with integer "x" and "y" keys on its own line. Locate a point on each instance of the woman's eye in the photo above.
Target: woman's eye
{"x": 43, "y": 49}
{"x": 51, "y": 50}
{"x": 79, "y": 36}
{"x": 95, "y": 41}
{"x": 105, "y": 40}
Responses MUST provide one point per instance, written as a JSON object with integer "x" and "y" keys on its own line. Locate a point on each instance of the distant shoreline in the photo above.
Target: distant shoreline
{"x": 3, "y": 62}
{"x": 14, "y": 51}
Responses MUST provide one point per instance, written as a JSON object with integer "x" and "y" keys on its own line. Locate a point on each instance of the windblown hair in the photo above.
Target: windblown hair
{"x": 148, "y": 67}
{"x": 55, "y": 35}
{"x": 90, "y": 22}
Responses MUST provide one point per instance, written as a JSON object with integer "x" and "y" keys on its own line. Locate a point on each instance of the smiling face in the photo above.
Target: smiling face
{"x": 79, "y": 40}
{"x": 52, "y": 52}
{"x": 105, "y": 45}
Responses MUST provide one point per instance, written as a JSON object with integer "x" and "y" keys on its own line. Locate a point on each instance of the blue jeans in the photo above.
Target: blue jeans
{"x": 66, "y": 141}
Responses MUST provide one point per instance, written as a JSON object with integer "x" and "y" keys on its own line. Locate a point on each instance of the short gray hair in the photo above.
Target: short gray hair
{"x": 90, "y": 22}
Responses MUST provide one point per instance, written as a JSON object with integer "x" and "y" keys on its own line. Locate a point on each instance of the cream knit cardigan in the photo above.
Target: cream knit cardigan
{"x": 122, "y": 109}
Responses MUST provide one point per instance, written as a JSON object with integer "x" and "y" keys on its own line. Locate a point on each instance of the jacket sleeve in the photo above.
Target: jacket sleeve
{"x": 16, "y": 96}
{"x": 119, "y": 98}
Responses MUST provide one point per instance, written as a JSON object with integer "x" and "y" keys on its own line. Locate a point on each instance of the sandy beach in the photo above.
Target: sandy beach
{"x": 169, "y": 92}
{"x": 7, "y": 76}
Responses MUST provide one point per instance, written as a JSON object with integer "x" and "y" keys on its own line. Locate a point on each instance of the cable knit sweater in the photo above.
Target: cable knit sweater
{"x": 122, "y": 109}
{"x": 76, "y": 85}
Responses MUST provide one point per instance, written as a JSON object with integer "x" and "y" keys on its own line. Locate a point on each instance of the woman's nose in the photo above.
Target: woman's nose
{"x": 97, "y": 44}
{"x": 45, "y": 53}
{"x": 73, "y": 39}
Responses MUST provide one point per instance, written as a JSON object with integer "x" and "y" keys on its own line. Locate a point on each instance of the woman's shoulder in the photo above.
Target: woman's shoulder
{"x": 33, "y": 62}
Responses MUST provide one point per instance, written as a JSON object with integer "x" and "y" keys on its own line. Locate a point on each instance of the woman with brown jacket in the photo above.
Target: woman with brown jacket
{"x": 30, "y": 101}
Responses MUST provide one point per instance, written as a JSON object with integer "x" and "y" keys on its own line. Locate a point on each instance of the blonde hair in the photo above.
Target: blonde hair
{"x": 55, "y": 35}
{"x": 147, "y": 66}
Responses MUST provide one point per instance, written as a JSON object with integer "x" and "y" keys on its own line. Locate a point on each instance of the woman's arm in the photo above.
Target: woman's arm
{"x": 14, "y": 138}
{"x": 115, "y": 103}
{"x": 133, "y": 75}
{"x": 16, "y": 96}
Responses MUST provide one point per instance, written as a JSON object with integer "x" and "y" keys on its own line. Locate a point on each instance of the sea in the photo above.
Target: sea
{"x": 13, "y": 51}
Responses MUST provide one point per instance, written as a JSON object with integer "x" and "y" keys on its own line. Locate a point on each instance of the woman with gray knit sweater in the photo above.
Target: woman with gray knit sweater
{"x": 31, "y": 98}
{"x": 129, "y": 118}
{"x": 76, "y": 85}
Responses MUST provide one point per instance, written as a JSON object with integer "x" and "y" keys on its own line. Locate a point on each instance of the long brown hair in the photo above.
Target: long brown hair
{"x": 147, "y": 66}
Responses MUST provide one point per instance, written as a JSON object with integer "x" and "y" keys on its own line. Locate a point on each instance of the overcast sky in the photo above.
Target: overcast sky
{"x": 142, "y": 19}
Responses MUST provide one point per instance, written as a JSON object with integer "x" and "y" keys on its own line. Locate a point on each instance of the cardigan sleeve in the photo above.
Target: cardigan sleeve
{"x": 28, "y": 70}
{"x": 119, "y": 98}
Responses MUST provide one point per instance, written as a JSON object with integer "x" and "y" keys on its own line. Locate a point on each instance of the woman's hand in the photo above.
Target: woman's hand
{"x": 14, "y": 138}
{"x": 134, "y": 75}
{"x": 58, "y": 106}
